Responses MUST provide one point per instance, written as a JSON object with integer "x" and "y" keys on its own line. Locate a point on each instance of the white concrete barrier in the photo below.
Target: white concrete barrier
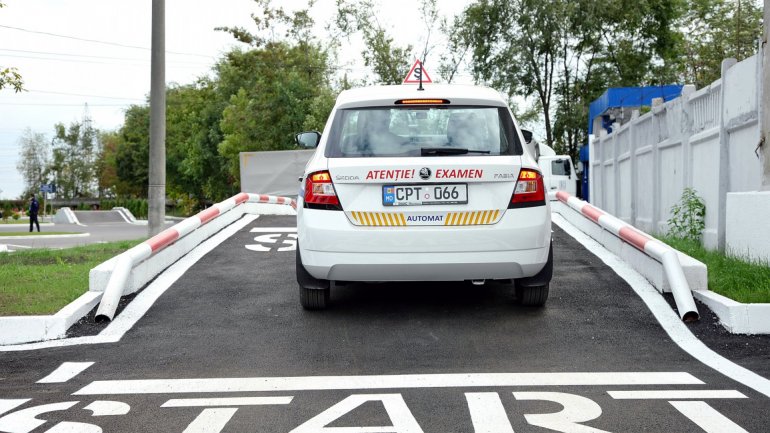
{"x": 616, "y": 235}
{"x": 131, "y": 270}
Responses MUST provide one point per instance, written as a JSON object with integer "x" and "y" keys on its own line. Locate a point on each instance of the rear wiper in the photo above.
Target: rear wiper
{"x": 435, "y": 151}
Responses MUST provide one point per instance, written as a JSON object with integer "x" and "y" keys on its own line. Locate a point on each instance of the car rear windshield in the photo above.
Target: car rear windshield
{"x": 420, "y": 131}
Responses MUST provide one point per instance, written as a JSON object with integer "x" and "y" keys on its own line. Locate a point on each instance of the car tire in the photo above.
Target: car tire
{"x": 313, "y": 299}
{"x": 313, "y": 293}
{"x": 532, "y": 296}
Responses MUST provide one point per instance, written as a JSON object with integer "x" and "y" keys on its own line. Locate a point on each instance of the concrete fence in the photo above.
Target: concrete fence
{"x": 705, "y": 139}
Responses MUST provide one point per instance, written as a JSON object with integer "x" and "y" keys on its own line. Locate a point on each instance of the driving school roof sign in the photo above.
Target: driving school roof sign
{"x": 417, "y": 75}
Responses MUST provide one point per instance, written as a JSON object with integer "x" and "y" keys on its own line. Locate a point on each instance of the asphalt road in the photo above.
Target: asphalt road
{"x": 228, "y": 348}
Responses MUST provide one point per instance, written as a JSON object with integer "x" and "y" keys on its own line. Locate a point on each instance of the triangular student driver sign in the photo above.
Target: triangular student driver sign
{"x": 413, "y": 77}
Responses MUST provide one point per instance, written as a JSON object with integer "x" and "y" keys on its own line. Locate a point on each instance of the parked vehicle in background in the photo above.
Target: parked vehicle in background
{"x": 558, "y": 173}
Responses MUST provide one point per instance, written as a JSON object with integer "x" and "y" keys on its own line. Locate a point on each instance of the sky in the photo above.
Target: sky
{"x": 97, "y": 52}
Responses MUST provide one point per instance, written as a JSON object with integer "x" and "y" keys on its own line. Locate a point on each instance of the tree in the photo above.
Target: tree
{"x": 133, "y": 152}
{"x": 275, "y": 88}
{"x": 10, "y": 76}
{"x": 75, "y": 151}
{"x": 714, "y": 30}
{"x": 389, "y": 62}
{"x": 34, "y": 158}
{"x": 565, "y": 53}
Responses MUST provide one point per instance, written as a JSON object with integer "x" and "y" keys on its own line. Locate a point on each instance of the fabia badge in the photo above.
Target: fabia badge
{"x": 425, "y": 173}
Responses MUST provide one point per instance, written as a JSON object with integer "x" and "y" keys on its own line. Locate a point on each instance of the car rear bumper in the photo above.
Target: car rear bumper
{"x": 334, "y": 249}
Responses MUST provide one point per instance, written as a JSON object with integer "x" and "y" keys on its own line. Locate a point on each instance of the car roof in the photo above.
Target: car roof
{"x": 387, "y": 95}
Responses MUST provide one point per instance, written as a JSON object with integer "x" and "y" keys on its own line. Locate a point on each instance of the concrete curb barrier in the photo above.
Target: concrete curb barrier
{"x": 124, "y": 264}
{"x": 65, "y": 216}
{"x": 642, "y": 242}
{"x": 736, "y": 317}
{"x": 25, "y": 329}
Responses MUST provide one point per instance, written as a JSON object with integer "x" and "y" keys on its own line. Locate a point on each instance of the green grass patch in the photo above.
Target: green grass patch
{"x": 43, "y": 281}
{"x": 22, "y": 234}
{"x": 734, "y": 278}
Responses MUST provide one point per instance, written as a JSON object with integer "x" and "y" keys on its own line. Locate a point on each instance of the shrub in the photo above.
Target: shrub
{"x": 688, "y": 217}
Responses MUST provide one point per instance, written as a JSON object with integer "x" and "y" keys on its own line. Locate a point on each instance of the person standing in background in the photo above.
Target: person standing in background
{"x": 33, "y": 208}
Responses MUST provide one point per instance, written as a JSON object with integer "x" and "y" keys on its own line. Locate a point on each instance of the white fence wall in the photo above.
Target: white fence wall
{"x": 704, "y": 139}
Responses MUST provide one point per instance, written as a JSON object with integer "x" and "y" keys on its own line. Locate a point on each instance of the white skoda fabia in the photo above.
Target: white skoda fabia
{"x": 422, "y": 185}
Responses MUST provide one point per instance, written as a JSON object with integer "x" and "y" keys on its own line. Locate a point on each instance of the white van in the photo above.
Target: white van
{"x": 558, "y": 173}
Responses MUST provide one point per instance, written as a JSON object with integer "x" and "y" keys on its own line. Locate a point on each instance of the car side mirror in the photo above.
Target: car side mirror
{"x": 527, "y": 136}
{"x": 308, "y": 140}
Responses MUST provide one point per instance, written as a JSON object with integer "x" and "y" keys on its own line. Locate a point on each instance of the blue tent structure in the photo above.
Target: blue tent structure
{"x": 620, "y": 97}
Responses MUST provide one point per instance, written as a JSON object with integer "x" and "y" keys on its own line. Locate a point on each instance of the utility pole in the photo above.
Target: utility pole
{"x": 765, "y": 107}
{"x": 157, "y": 177}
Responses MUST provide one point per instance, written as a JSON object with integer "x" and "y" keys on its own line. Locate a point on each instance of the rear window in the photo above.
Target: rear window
{"x": 408, "y": 131}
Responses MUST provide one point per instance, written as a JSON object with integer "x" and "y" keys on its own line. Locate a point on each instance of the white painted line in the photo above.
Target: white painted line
{"x": 65, "y": 372}
{"x": 273, "y": 230}
{"x": 487, "y": 413}
{"x": 20, "y": 238}
{"x": 402, "y": 381}
{"x": 144, "y": 300}
{"x": 8, "y": 404}
{"x": 210, "y": 421}
{"x": 226, "y": 401}
{"x": 675, "y": 394}
{"x": 706, "y": 417}
{"x": 665, "y": 315}
{"x": 108, "y": 408}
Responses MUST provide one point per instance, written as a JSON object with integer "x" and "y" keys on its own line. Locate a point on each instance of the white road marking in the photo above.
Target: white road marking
{"x": 144, "y": 300}
{"x": 274, "y": 238}
{"x": 273, "y": 230}
{"x": 65, "y": 372}
{"x": 8, "y": 404}
{"x": 400, "y": 416}
{"x": 211, "y": 421}
{"x": 405, "y": 381}
{"x": 675, "y": 394}
{"x": 74, "y": 427}
{"x": 576, "y": 409}
{"x": 25, "y": 420}
{"x": 108, "y": 408}
{"x": 226, "y": 401}
{"x": 705, "y": 417}
{"x": 487, "y": 413}
{"x": 665, "y": 315}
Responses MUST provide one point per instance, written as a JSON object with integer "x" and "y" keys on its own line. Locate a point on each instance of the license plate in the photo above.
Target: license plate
{"x": 415, "y": 195}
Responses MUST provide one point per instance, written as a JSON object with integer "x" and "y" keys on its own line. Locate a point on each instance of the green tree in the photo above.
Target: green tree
{"x": 713, "y": 30}
{"x": 10, "y": 77}
{"x": 133, "y": 152}
{"x": 75, "y": 150}
{"x": 34, "y": 159}
{"x": 389, "y": 62}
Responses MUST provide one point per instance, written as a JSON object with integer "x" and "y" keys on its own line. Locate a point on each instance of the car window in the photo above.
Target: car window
{"x": 558, "y": 167}
{"x": 405, "y": 131}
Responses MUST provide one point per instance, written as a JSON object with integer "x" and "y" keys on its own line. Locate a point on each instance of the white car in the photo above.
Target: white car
{"x": 431, "y": 185}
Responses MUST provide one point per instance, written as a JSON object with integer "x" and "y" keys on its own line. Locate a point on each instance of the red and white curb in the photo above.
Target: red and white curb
{"x": 659, "y": 251}
{"x": 127, "y": 260}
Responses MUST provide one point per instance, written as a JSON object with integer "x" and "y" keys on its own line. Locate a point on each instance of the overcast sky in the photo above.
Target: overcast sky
{"x": 62, "y": 72}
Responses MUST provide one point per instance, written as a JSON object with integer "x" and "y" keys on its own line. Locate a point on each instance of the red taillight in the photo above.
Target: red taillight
{"x": 529, "y": 190}
{"x": 319, "y": 189}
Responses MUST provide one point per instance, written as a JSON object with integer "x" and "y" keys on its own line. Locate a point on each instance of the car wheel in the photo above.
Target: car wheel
{"x": 533, "y": 296}
{"x": 313, "y": 293}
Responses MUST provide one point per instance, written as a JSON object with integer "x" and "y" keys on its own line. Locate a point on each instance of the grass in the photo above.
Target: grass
{"x": 734, "y": 278}
{"x": 22, "y": 234}
{"x": 43, "y": 281}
